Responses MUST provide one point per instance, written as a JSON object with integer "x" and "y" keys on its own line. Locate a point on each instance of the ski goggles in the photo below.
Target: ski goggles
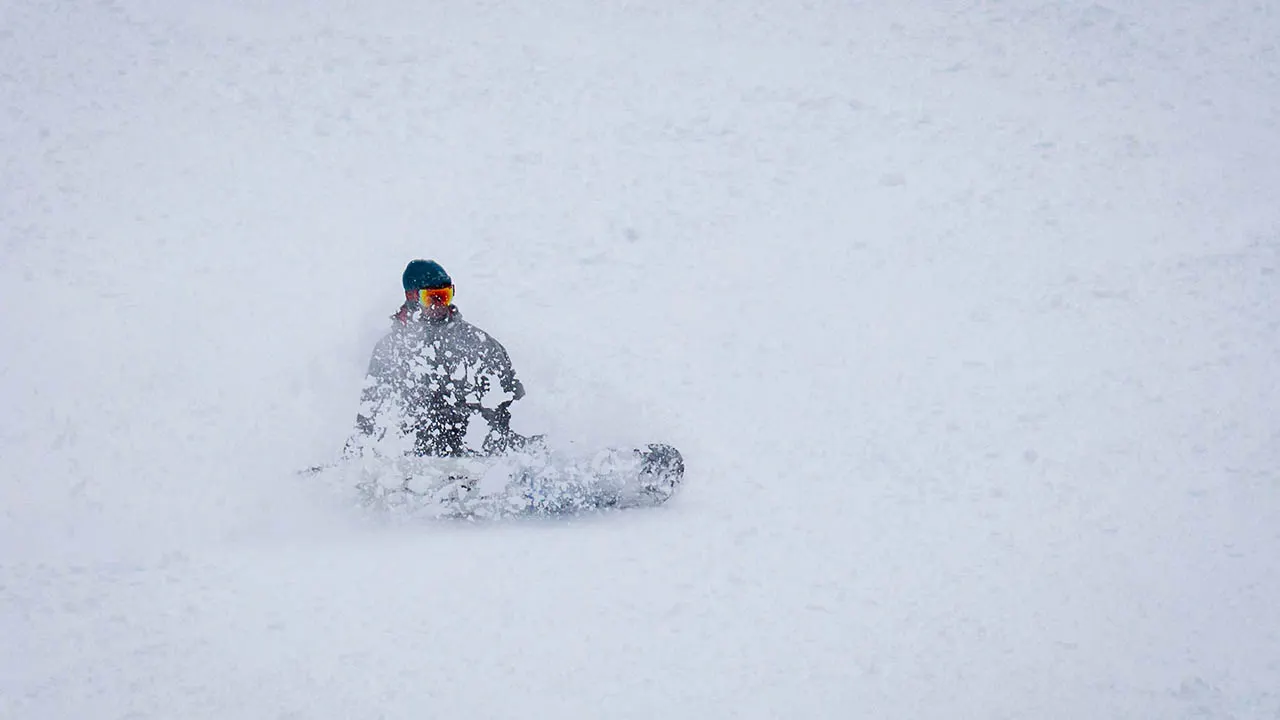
{"x": 432, "y": 296}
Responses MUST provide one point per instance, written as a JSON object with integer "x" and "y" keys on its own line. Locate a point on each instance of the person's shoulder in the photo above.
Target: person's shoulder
{"x": 457, "y": 325}
{"x": 471, "y": 332}
{"x": 386, "y": 344}
{"x": 400, "y": 333}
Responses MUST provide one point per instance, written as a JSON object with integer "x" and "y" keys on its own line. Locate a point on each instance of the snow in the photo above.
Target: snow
{"x": 962, "y": 314}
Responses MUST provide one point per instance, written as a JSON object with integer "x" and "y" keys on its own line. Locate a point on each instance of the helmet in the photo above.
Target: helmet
{"x": 421, "y": 274}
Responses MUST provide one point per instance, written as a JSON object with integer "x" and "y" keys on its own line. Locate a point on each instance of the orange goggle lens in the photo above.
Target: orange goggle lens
{"x": 436, "y": 296}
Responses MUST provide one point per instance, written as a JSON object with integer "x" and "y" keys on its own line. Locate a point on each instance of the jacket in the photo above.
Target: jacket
{"x": 428, "y": 380}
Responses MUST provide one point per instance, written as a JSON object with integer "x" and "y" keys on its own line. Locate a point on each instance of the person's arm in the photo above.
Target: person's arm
{"x": 373, "y": 398}
{"x": 507, "y": 374}
{"x": 497, "y": 412}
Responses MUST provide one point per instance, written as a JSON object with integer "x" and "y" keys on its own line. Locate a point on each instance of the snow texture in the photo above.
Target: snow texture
{"x": 533, "y": 481}
{"x": 964, "y": 316}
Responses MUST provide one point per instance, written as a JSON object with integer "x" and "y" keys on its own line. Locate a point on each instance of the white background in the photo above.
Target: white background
{"x": 964, "y": 314}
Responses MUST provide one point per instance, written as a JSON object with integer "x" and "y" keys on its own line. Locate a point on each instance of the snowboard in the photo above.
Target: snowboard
{"x": 530, "y": 482}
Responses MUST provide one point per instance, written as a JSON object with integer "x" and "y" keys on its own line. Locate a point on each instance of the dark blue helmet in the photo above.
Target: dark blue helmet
{"x": 421, "y": 274}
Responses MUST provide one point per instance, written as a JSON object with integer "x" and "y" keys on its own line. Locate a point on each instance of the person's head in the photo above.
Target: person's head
{"x": 428, "y": 286}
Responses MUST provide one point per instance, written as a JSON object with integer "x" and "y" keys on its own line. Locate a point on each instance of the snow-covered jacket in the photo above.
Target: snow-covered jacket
{"x": 427, "y": 380}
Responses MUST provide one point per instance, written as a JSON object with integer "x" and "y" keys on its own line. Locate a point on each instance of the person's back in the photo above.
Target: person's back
{"x": 432, "y": 375}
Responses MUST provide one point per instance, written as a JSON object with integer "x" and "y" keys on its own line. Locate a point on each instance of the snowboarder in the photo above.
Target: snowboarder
{"x": 433, "y": 376}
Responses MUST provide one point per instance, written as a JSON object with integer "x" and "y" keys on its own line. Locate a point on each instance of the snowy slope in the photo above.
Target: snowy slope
{"x": 963, "y": 314}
